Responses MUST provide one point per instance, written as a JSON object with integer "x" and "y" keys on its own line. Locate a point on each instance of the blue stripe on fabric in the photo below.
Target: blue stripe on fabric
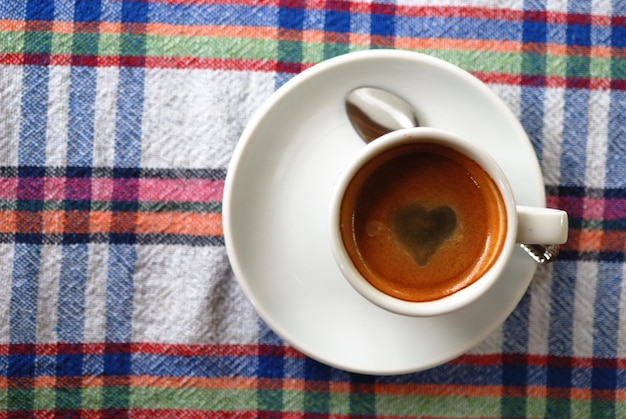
{"x": 573, "y": 146}
{"x": 40, "y": 10}
{"x": 533, "y": 97}
{"x": 618, "y": 35}
{"x": 81, "y": 116}
{"x": 129, "y": 116}
{"x": 213, "y": 14}
{"x": 615, "y": 173}
{"x": 514, "y": 374}
{"x": 31, "y": 153}
{"x": 93, "y": 365}
{"x": 74, "y": 262}
{"x": 384, "y": 22}
{"x": 81, "y": 119}
{"x": 127, "y": 156}
{"x": 135, "y": 11}
{"x": 562, "y": 297}
{"x": 606, "y": 310}
{"x": 460, "y": 28}
{"x": 119, "y": 292}
{"x": 451, "y": 374}
{"x": 64, "y": 13}
{"x": 24, "y": 287}
{"x": 87, "y": 11}
{"x": 616, "y": 152}
{"x": 110, "y": 10}
{"x": 303, "y": 368}
{"x": 34, "y": 109}
{"x": 12, "y": 10}
{"x": 336, "y": 21}
{"x": 606, "y": 325}
{"x": 515, "y": 328}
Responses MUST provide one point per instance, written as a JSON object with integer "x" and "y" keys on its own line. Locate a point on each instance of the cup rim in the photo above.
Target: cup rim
{"x": 460, "y": 298}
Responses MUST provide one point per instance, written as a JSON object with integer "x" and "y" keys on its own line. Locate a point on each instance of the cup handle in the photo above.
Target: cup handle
{"x": 541, "y": 225}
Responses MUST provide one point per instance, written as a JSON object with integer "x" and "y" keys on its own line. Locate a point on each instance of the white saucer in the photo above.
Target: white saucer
{"x": 276, "y": 202}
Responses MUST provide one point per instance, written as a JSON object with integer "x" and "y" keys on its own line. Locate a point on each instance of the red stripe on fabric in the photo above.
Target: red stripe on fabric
{"x": 137, "y": 414}
{"x": 195, "y": 350}
{"x": 212, "y": 64}
{"x": 148, "y": 348}
{"x": 192, "y": 414}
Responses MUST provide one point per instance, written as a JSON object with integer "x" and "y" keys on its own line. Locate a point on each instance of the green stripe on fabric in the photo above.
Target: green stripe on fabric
{"x": 85, "y": 43}
{"x": 68, "y": 398}
{"x": 450, "y": 406}
{"x": 92, "y": 398}
{"x": 317, "y": 402}
{"x": 536, "y": 407}
{"x": 11, "y": 42}
{"x": 37, "y": 43}
{"x": 205, "y": 47}
{"x": 200, "y": 399}
{"x": 116, "y": 397}
{"x": 580, "y": 408}
{"x": 20, "y": 399}
{"x": 558, "y": 408}
{"x": 339, "y": 404}
{"x": 480, "y": 61}
{"x": 200, "y": 207}
{"x": 604, "y": 409}
{"x": 306, "y": 52}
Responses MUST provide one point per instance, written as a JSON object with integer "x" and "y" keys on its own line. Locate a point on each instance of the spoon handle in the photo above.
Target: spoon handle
{"x": 542, "y": 253}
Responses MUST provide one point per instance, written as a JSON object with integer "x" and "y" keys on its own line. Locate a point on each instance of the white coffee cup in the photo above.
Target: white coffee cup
{"x": 531, "y": 225}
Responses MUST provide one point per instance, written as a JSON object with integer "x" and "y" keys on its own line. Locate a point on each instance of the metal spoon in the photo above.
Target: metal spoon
{"x": 374, "y": 112}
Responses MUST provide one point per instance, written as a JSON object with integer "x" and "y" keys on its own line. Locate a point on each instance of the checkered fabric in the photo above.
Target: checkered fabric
{"x": 118, "y": 119}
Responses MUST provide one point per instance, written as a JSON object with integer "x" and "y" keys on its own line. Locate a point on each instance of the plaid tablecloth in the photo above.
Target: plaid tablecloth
{"x": 118, "y": 120}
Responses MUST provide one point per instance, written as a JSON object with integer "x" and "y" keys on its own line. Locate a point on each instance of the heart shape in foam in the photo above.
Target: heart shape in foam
{"x": 422, "y": 231}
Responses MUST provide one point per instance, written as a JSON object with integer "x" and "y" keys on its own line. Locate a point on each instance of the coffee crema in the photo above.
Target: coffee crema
{"x": 422, "y": 221}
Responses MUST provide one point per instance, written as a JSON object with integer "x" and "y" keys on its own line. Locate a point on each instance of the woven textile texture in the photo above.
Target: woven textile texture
{"x": 118, "y": 119}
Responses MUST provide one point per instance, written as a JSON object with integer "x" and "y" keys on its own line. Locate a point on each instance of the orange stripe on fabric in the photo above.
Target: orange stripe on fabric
{"x": 590, "y": 240}
{"x": 78, "y": 222}
{"x": 8, "y": 222}
{"x": 235, "y": 383}
{"x": 180, "y": 223}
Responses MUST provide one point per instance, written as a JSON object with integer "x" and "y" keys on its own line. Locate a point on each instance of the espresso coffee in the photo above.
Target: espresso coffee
{"x": 422, "y": 221}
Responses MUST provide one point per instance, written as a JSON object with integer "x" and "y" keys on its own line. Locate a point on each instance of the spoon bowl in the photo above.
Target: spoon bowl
{"x": 374, "y": 112}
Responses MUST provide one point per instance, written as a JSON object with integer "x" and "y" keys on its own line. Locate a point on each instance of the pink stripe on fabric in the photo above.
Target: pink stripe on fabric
{"x": 593, "y": 208}
{"x": 8, "y": 188}
{"x": 54, "y": 189}
{"x": 102, "y": 189}
{"x": 182, "y": 190}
